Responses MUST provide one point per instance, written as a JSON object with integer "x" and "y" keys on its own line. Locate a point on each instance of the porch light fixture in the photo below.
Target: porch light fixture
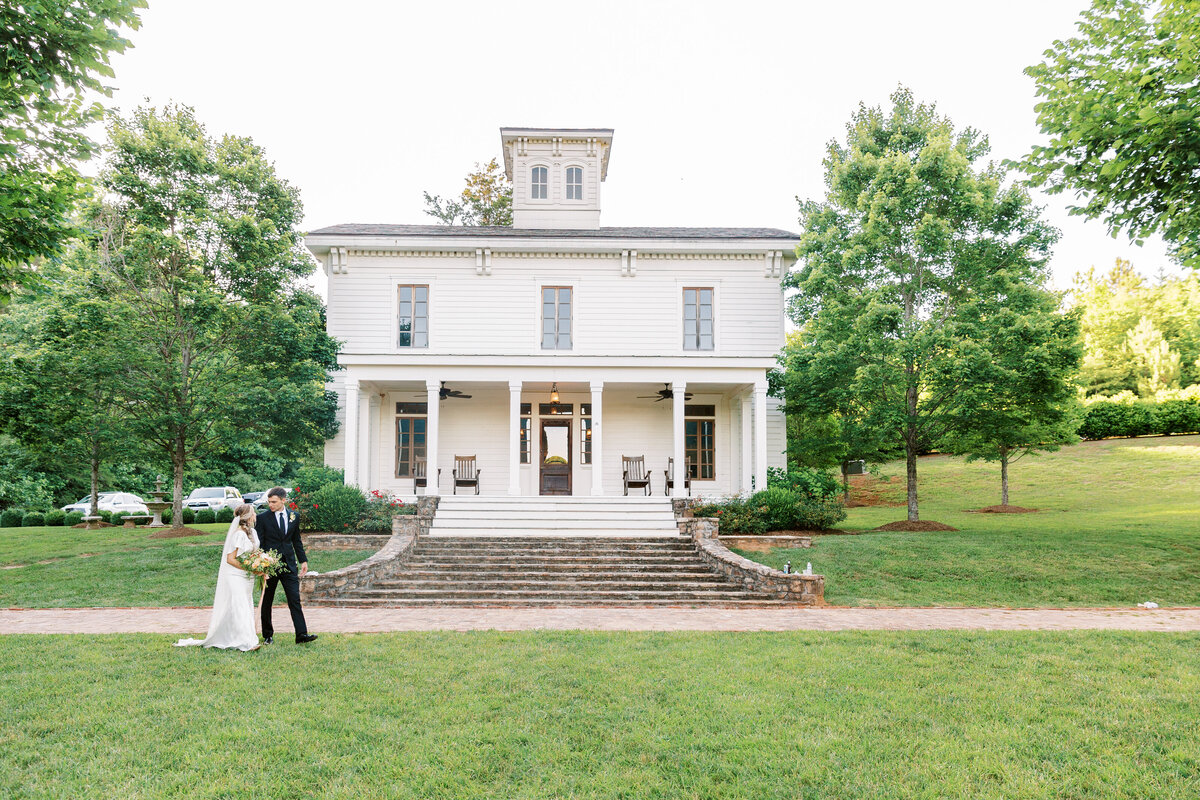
{"x": 554, "y": 393}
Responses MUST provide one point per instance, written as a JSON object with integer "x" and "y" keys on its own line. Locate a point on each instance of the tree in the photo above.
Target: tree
{"x": 1026, "y": 400}
{"x": 485, "y": 200}
{"x": 55, "y": 53}
{"x": 910, "y": 238}
{"x": 1157, "y": 367}
{"x": 61, "y": 393}
{"x": 1122, "y": 107}
{"x": 198, "y": 242}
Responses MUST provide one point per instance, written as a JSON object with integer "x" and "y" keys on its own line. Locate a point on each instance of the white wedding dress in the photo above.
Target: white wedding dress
{"x": 232, "y": 623}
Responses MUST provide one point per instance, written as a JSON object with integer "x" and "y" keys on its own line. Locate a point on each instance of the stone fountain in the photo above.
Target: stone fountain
{"x": 158, "y": 506}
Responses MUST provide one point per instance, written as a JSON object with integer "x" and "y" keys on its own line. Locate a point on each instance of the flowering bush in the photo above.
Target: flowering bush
{"x": 381, "y": 507}
{"x": 773, "y": 510}
{"x": 334, "y": 507}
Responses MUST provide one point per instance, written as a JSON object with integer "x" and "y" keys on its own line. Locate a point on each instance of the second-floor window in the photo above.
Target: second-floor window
{"x": 413, "y": 316}
{"x": 556, "y": 318}
{"x": 574, "y": 183}
{"x": 539, "y": 183}
{"x": 698, "y": 319}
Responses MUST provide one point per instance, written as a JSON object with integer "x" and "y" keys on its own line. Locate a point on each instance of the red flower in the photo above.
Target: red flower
{"x": 292, "y": 505}
{"x": 315, "y": 506}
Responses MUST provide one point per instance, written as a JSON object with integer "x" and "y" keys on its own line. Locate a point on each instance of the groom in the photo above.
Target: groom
{"x": 279, "y": 529}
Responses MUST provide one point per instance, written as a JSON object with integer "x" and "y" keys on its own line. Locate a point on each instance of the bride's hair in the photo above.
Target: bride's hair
{"x": 246, "y": 516}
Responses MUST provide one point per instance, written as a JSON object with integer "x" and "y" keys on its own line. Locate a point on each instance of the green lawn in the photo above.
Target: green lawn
{"x": 606, "y": 715}
{"x": 119, "y": 567}
{"x": 1119, "y": 524}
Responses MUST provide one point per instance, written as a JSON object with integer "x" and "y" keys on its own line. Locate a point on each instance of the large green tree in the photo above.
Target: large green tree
{"x": 54, "y": 55}
{"x": 913, "y": 233}
{"x": 198, "y": 240}
{"x": 486, "y": 199}
{"x": 1121, "y": 105}
{"x": 1025, "y": 401}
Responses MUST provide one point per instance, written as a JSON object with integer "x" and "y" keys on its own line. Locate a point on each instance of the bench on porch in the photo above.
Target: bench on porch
{"x": 466, "y": 473}
{"x": 634, "y": 475}
{"x": 670, "y": 473}
{"x": 419, "y": 479}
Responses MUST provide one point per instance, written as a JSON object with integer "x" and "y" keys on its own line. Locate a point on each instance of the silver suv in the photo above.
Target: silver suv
{"x": 214, "y": 497}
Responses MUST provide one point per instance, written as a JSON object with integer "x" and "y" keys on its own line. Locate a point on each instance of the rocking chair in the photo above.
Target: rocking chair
{"x": 419, "y": 480}
{"x": 670, "y": 473}
{"x": 466, "y": 473}
{"x": 634, "y": 475}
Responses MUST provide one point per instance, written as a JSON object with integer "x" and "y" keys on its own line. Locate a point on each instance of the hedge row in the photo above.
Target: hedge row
{"x": 1107, "y": 418}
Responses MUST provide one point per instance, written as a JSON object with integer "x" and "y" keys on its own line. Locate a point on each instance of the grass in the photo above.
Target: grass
{"x": 1119, "y": 524}
{"x": 69, "y": 567}
{"x": 606, "y": 715}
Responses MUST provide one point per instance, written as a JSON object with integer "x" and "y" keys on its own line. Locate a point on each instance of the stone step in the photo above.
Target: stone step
{"x": 544, "y": 564}
{"x": 553, "y": 541}
{"x": 572, "y": 511}
{"x": 487, "y": 548}
{"x": 599, "y": 595}
{"x": 526, "y": 602}
{"x": 566, "y": 533}
{"x": 461, "y": 571}
{"x": 550, "y": 583}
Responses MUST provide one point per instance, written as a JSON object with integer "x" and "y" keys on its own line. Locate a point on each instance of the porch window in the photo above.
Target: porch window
{"x": 526, "y": 426}
{"x": 410, "y": 436}
{"x": 413, "y": 316}
{"x": 700, "y": 440}
{"x": 556, "y": 318}
{"x": 585, "y": 433}
{"x": 698, "y": 319}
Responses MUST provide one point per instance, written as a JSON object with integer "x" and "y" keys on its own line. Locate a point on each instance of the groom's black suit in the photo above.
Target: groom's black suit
{"x": 288, "y": 544}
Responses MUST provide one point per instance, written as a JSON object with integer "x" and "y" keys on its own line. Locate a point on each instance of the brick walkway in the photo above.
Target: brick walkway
{"x": 358, "y": 620}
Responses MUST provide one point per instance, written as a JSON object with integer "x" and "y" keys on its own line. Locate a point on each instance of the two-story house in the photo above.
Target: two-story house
{"x": 551, "y": 349}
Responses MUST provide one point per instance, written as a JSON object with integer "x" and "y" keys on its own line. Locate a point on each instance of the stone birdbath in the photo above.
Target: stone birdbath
{"x": 158, "y": 506}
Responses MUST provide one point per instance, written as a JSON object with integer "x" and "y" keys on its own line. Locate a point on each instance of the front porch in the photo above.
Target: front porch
{"x": 546, "y": 437}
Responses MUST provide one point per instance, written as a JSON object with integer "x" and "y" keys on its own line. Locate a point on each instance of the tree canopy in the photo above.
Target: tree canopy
{"x": 55, "y": 52}
{"x": 485, "y": 200}
{"x": 1121, "y": 105}
{"x": 898, "y": 266}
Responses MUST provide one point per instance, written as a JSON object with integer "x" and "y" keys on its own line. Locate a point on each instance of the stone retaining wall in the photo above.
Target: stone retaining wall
{"x": 344, "y": 541}
{"x": 765, "y": 542}
{"x": 386, "y": 563}
{"x": 803, "y": 589}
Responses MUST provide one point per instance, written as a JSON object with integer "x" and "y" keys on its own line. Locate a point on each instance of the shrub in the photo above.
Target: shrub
{"x": 381, "y": 507}
{"x": 777, "y": 508}
{"x": 224, "y": 515}
{"x": 337, "y": 507}
{"x": 34, "y": 519}
{"x": 205, "y": 516}
{"x": 189, "y": 516}
{"x": 819, "y": 513}
{"x": 1124, "y": 416}
{"x": 1177, "y": 416}
{"x": 73, "y": 518}
{"x": 309, "y": 479}
{"x": 56, "y": 518}
{"x": 106, "y": 516}
{"x": 805, "y": 481}
{"x": 11, "y": 518}
{"x": 735, "y": 515}
{"x": 167, "y": 515}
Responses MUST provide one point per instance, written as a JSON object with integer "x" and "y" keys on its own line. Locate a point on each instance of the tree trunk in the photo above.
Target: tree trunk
{"x": 910, "y": 453}
{"x": 845, "y": 483}
{"x": 178, "y": 461}
{"x": 1003, "y": 476}
{"x": 95, "y": 478}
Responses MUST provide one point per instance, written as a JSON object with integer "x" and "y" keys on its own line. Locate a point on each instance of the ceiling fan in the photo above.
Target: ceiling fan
{"x": 664, "y": 393}
{"x": 443, "y": 393}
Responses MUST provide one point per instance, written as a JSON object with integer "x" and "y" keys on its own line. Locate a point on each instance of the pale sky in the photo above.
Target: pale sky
{"x": 721, "y": 110}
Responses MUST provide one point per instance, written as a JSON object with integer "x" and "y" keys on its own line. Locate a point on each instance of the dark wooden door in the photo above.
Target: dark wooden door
{"x": 556, "y": 456}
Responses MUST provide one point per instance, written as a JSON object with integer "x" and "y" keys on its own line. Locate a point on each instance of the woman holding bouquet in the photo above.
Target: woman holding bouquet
{"x": 232, "y": 623}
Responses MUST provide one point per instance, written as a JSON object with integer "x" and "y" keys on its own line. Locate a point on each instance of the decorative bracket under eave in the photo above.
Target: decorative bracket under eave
{"x": 774, "y": 264}
{"x": 483, "y": 261}
{"x": 337, "y": 261}
{"x": 629, "y": 263}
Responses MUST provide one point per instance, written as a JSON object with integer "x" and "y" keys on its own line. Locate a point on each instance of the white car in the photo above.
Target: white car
{"x": 121, "y": 502}
{"x": 214, "y": 497}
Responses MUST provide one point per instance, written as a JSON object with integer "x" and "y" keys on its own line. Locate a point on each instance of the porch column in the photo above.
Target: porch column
{"x": 747, "y": 444}
{"x": 371, "y": 473}
{"x": 364, "y": 440}
{"x": 433, "y": 398}
{"x": 760, "y": 436}
{"x": 350, "y": 446}
{"x": 514, "y": 437}
{"x": 678, "y": 398}
{"x": 597, "y": 438}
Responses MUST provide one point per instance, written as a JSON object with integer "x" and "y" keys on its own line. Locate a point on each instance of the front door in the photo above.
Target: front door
{"x": 556, "y": 456}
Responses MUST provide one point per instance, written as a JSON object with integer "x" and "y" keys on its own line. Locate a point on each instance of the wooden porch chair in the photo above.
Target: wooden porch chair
{"x": 419, "y": 480}
{"x": 670, "y": 473}
{"x": 466, "y": 473}
{"x": 633, "y": 473}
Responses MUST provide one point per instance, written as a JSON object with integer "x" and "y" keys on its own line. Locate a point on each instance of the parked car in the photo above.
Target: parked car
{"x": 256, "y": 499}
{"x": 122, "y": 502}
{"x": 214, "y": 497}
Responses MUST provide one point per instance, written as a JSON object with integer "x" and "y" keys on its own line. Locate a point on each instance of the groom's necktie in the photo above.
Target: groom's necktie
{"x": 282, "y": 523}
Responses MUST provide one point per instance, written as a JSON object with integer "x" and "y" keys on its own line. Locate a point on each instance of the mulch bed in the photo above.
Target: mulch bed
{"x": 1002, "y": 510}
{"x": 920, "y": 525}
{"x": 179, "y": 533}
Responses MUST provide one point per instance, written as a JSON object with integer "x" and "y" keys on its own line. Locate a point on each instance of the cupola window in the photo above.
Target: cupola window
{"x": 538, "y": 185}
{"x": 574, "y": 183}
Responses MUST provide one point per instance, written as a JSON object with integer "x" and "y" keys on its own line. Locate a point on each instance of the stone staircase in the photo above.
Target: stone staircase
{"x": 513, "y": 567}
{"x": 543, "y": 517}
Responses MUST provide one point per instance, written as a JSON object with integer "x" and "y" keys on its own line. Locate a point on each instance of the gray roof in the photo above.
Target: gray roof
{"x": 486, "y": 231}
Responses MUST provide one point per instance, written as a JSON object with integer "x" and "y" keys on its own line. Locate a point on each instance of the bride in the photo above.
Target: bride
{"x": 232, "y": 623}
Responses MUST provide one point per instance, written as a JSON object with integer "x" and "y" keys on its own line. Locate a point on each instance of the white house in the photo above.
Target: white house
{"x": 551, "y": 349}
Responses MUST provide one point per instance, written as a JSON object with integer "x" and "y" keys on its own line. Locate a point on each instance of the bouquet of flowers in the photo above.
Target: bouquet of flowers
{"x": 262, "y": 564}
